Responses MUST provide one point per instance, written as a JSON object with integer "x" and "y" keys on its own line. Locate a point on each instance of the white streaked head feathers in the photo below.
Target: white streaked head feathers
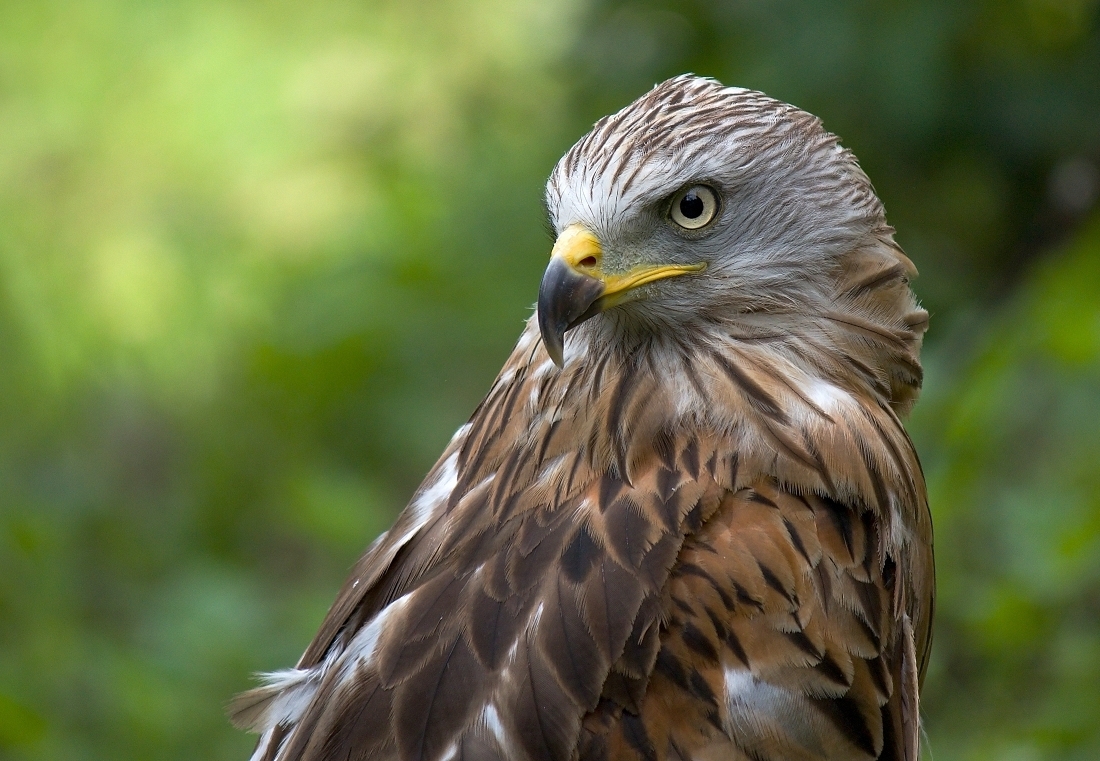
{"x": 792, "y": 201}
{"x": 799, "y": 251}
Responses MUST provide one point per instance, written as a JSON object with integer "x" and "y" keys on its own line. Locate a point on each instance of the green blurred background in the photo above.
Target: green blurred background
{"x": 259, "y": 259}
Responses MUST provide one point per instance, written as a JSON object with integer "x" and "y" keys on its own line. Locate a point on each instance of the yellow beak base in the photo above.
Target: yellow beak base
{"x": 575, "y": 288}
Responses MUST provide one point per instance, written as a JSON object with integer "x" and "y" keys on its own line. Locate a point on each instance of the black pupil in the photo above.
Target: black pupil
{"x": 691, "y": 205}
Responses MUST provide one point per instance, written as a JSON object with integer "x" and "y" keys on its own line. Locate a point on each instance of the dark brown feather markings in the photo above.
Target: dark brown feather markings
{"x": 621, "y": 558}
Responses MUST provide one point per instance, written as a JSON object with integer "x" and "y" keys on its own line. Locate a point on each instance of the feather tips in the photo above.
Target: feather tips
{"x": 546, "y": 591}
{"x": 678, "y": 546}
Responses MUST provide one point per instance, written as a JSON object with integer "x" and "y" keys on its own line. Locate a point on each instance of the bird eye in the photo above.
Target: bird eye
{"x": 694, "y": 207}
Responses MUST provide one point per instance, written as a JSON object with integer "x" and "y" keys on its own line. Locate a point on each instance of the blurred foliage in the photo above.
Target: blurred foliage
{"x": 259, "y": 259}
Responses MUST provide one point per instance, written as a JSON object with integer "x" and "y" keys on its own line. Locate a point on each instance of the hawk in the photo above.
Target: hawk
{"x": 686, "y": 522}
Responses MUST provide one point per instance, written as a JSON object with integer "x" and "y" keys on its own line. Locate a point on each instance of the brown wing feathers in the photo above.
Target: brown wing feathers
{"x": 706, "y": 546}
{"x": 538, "y": 594}
{"x": 777, "y": 640}
{"x": 524, "y": 616}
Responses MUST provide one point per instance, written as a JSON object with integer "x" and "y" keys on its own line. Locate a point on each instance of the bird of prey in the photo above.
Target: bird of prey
{"x": 686, "y": 522}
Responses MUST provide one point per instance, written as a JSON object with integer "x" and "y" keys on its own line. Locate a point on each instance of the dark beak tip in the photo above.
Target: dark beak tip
{"x": 565, "y": 298}
{"x": 552, "y": 338}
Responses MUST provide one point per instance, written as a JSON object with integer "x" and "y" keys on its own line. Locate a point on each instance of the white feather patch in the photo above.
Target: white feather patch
{"x": 491, "y": 719}
{"x": 429, "y": 502}
{"x": 826, "y": 396}
{"x": 296, "y": 688}
{"x": 360, "y": 650}
{"x": 749, "y": 700}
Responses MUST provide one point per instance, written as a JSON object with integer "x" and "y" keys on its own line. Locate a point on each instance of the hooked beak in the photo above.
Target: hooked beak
{"x": 575, "y": 287}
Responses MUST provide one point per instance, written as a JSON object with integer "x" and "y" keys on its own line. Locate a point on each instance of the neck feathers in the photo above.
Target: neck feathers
{"x": 812, "y": 405}
{"x": 812, "y": 398}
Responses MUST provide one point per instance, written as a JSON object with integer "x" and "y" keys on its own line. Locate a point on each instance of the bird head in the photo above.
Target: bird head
{"x": 700, "y": 206}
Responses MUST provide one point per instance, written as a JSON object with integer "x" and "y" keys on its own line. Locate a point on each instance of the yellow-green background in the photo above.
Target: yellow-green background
{"x": 259, "y": 259}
